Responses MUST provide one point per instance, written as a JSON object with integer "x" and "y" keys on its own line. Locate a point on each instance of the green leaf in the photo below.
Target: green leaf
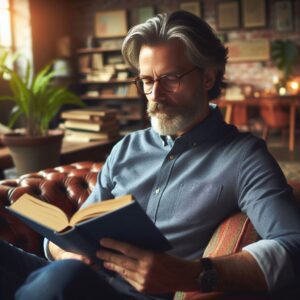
{"x": 35, "y": 97}
{"x": 15, "y": 115}
{"x": 284, "y": 55}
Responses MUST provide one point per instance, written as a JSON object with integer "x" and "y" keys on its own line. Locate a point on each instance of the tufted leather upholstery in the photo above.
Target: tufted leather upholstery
{"x": 66, "y": 187}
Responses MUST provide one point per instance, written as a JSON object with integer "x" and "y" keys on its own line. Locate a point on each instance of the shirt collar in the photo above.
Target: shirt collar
{"x": 200, "y": 132}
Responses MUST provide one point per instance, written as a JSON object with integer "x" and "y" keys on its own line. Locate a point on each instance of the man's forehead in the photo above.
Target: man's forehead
{"x": 168, "y": 56}
{"x": 173, "y": 45}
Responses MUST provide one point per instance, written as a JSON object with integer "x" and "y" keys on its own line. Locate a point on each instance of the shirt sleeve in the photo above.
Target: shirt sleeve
{"x": 274, "y": 262}
{"x": 265, "y": 196}
{"x": 46, "y": 250}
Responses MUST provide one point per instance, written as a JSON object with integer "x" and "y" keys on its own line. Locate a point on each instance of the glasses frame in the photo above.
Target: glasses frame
{"x": 178, "y": 77}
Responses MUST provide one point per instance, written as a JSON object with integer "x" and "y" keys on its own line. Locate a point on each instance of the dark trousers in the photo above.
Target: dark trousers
{"x": 25, "y": 276}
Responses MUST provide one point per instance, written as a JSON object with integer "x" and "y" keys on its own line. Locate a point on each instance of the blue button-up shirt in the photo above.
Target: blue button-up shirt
{"x": 190, "y": 184}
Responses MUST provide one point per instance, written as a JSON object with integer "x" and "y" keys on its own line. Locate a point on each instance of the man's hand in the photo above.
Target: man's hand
{"x": 148, "y": 271}
{"x": 58, "y": 253}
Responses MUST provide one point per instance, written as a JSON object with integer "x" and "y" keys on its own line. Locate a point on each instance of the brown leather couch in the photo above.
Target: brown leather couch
{"x": 68, "y": 187}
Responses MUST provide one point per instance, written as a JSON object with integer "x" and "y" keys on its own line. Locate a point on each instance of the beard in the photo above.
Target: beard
{"x": 169, "y": 119}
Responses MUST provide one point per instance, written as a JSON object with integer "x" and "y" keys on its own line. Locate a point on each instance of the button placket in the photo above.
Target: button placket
{"x": 160, "y": 184}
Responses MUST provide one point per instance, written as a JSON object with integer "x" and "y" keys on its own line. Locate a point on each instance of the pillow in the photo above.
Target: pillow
{"x": 230, "y": 237}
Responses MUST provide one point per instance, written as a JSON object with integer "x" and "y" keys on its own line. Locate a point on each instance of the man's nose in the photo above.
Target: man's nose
{"x": 157, "y": 92}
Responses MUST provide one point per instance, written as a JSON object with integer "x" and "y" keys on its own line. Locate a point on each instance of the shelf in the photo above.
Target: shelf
{"x": 109, "y": 97}
{"x": 119, "y": 94}
{"x": 114, "y": 80}
{"x": 97, "y": 50}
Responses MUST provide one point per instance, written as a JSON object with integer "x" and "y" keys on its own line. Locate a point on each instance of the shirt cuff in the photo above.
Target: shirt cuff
{"x": 46, "y": 250}
{"x": 274, "y": 262}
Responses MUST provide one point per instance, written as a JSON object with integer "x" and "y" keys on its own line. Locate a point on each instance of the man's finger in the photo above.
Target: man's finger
{"x": 118, "y": 259}
{"x": 126, "y": 249}
{"x": 125, "y": 273}
{"x": 70, "y": 255}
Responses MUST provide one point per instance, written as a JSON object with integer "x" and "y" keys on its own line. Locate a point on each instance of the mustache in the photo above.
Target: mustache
{"x": 155, "y": 107}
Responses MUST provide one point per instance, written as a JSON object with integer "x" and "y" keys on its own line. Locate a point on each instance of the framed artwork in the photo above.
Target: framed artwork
{"x": 228, "y": 15}
{"x": 283, "y": 16}
{"x": 145, "y": 13}
{"x": 111, "y": 24}
{"x": 254, "y": 13}
{"x": 251, "y": 50}
{"x": 193, "y": 7}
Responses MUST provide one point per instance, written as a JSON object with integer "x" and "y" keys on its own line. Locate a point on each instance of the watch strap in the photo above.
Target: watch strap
{"x": 208, "y": 278}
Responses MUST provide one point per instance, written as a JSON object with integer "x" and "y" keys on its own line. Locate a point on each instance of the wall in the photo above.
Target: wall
{"x": 49, "y": 21}
{"x": 257, "y": 73}
{"x": 53, "y": 19}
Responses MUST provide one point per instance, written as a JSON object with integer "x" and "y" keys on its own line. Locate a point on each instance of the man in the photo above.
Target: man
{"x": 188, "y": 171}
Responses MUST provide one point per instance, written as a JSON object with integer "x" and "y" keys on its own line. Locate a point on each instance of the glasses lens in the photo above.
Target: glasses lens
{"x": 144, "y": 86}
{"x": 169, "y": 83}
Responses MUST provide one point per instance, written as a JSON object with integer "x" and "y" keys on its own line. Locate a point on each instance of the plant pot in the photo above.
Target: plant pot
{"x": 32, "y": 154}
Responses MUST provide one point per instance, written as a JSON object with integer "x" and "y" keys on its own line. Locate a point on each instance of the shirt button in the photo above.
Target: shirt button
{"x": 157, "y": 191}
{"x": 171, "y": 157}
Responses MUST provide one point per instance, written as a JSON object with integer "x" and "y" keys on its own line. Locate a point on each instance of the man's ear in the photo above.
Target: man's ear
{"x": 209, "y": 78}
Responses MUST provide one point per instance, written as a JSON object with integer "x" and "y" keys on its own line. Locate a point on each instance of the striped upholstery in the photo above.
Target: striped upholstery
{"x": 230, "y": 237}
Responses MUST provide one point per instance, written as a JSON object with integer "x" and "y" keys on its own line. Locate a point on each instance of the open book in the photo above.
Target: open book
{"x": 122, "y": 219}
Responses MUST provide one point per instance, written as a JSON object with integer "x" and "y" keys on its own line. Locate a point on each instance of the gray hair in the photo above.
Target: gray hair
{"x": 203, "y": 48}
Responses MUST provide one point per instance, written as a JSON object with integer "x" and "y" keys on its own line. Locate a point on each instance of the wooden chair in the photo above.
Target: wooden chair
{"x": 275, "y": 115}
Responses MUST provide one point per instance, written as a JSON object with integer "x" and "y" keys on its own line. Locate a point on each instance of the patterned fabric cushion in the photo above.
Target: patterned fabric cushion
{"x": 230, "y": 237}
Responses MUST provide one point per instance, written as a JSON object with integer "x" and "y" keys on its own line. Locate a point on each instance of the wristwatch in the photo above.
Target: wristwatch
{"x": 208, "y": 278}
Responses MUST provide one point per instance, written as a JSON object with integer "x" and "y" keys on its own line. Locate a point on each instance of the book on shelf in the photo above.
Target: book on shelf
{"x": 72, "y": 135}
{"x": 132, "y": 90}
{"x": 114, "y": 58}
{"x": 122, "y": 75}
{"x": 91, "y": 113}
{"x": 122, "y": 219}
{"x": 84, "y": 63}
{"x": 122, "y": 67}
{"x": 109, "y": 125}
{"x": 97, "y": 61}
{"x": 121, "y": 90}
{"x": 107, "y": 91}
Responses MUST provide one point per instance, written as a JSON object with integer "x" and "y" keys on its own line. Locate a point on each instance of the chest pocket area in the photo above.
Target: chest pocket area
{"x": 197, "y": 202}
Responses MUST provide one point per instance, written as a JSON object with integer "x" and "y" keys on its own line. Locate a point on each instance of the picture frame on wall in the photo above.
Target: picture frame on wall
{"x": 193, "y": 7}
{"x": 283, "y": 16}
{"x": 110, "y": 24}
{"x": 248, "y": 50}
{"x": 145, "y": 13}
{"x": 228, "y": 15}
{"x": 254, "y": 13}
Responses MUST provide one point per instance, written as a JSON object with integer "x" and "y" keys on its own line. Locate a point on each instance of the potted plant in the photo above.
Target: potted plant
{"x": 36, "y": 101}
{"x": 284, "y": 55}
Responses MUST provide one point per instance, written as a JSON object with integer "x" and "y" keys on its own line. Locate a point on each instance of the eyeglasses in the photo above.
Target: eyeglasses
{"x": 169, "y": 83}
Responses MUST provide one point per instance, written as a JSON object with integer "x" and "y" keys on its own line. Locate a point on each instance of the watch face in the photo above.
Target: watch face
{"x": 209, "y": 277}
{"x": 209, "y": 280}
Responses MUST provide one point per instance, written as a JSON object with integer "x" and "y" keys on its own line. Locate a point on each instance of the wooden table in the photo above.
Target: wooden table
{"x": 292, "y": 101}
{"x": 71, "y": 152}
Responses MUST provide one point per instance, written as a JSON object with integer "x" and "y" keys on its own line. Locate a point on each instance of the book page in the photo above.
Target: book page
{"x": 97, "y": 209}
{"x": 41, "y": 212}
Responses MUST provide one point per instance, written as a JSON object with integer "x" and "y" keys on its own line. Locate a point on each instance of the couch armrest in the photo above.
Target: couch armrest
{"x": 230, "y": 237}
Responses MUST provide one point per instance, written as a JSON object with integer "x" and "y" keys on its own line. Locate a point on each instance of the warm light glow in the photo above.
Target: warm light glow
{"x": 4, "y": 4}
{"x": 5, "y": 31}
{"x": 295, "y": 85}
{"x": 275, "y": 79}
{"x": 282, "y": 91}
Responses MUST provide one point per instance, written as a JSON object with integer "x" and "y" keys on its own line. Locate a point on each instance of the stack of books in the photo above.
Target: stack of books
{"x": 88, "y": 125}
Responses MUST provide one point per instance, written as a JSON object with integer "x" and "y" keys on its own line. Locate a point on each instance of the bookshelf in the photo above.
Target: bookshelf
{"x": 106, "y": 81}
